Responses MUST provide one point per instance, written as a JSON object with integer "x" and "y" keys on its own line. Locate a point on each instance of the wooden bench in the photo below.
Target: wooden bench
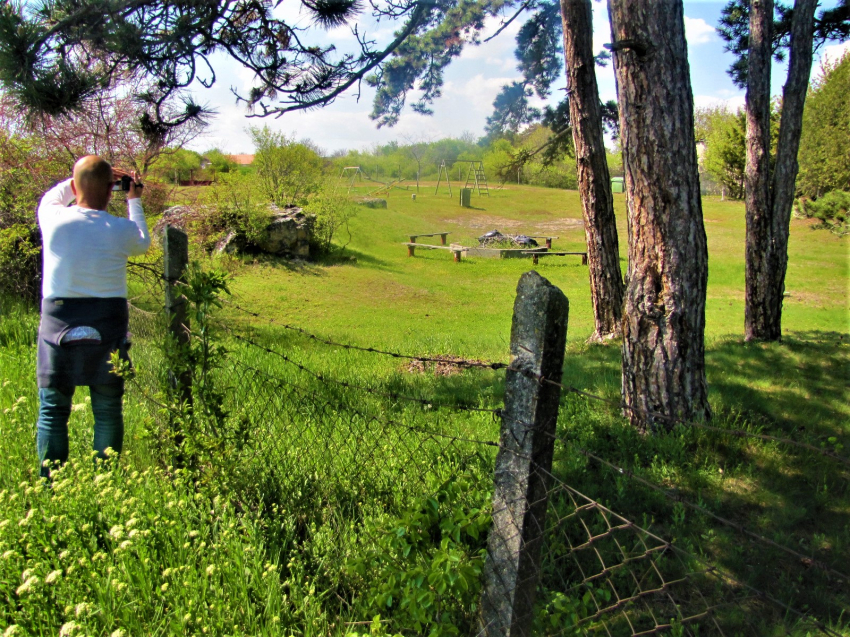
{"x": 536, "y": 255}
{"x": 442, "y": 235}
{"x": 457, "y": 250}
{"x": 548, "y": 239}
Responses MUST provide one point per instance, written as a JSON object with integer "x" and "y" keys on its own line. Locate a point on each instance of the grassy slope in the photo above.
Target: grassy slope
{"x": 425, "y": 301}
{"x": 431, "y": 305}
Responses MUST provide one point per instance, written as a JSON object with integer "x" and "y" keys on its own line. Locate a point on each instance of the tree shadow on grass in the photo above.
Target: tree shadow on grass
{"x": 795, "y": 497}
{"x": 799, "y": 385}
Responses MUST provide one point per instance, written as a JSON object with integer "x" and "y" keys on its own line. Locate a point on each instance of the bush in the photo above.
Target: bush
{"x": 20, "y": 262}
{"x": 233, "y": 204}
{"x": 833, "y": 211}
{"x": 332, "y": 210}
{"x": 26, "y": 172}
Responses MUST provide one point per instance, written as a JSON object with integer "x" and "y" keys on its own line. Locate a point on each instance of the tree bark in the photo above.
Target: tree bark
{"x": 594, "y": 181}
{"x": 664, "y": 309}
{"x": 769, "y": 198}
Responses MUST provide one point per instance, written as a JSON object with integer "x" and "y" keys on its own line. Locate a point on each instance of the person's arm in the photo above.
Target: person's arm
{"x": 139, "y": 241}
{"x": 54, "y": 201}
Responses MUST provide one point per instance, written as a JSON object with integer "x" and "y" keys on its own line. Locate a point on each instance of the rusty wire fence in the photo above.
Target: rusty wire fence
{"x": 555, "y": 561}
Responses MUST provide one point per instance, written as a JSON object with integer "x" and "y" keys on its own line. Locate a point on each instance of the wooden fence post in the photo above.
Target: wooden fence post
{"x": 520, "y": 498}
{"x": 175, "y": 248}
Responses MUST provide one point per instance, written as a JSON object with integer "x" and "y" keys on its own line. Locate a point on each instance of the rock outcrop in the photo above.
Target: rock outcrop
{"x": 289, "y": 233}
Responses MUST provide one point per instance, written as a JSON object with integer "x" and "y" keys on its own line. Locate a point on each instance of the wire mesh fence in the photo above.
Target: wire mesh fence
{"x": 558, "y": 563}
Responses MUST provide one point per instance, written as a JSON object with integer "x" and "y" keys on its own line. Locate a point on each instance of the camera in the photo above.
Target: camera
{"x": 123, "y": 184}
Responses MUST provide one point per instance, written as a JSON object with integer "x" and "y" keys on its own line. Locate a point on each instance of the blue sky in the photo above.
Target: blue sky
{"x": 472, "y": 83}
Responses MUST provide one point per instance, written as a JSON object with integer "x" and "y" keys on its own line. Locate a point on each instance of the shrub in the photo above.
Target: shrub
{"x": 289, "y": 172}
{"x": 233, "y": 204}
{"x": 26, "y": 172}
{"x": 332, "y": 210}
{"x": 833, "y": 211}
{"x": 20, "y": 261}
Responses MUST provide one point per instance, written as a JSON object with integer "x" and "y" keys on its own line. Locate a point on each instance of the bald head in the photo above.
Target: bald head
{"x": 93, "y": 182}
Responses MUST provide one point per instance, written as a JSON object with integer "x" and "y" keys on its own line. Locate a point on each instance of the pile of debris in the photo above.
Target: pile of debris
{"x": 494, "y": 238}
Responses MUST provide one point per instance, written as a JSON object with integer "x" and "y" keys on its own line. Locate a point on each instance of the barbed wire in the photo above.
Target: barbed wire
{"x": 368, "y": 390}
{"x": 463, "y": 363}
{"x": 738, "y": 433}
{"x": 708, "y": 569}
{"x": 280, "y": 382}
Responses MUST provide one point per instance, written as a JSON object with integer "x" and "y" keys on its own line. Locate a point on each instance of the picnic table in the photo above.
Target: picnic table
{"x": 536, "y": 255}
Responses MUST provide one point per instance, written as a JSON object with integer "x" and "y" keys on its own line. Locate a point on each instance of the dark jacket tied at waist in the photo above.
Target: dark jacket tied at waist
{"x": 64, "y": 364}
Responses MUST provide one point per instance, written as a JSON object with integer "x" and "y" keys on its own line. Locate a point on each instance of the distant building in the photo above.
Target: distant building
{"x": 242, "y": 160}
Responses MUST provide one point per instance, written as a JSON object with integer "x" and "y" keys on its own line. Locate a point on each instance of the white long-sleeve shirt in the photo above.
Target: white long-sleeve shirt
{"x": 85, "y": 251}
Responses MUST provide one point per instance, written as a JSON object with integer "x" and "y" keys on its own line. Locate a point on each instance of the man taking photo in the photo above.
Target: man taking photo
{"x": 84, "y": 315}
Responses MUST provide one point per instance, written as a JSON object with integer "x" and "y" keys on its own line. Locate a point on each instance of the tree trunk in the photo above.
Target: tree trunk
{"x": 664, "y": 309}
{"x": 769, "y": 198}
{"x": 594, "y": 182}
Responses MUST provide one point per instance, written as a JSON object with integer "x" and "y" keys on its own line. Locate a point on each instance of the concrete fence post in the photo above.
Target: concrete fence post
{"x": 175, "y": 248}
{"x": 512, "y": 569}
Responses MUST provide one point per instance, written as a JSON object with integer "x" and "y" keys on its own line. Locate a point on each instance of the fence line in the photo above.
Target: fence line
{"x": 280, "y": 382}
{"x": 548, "y": 539}
{"x": 342, "y": 383}
{"x": 626, "y": 524}
{"x": 709, "y": 568}
{"x": 627, "y": 472}
{"x": 737, "y": 433}
{"x": 424, "y": 359}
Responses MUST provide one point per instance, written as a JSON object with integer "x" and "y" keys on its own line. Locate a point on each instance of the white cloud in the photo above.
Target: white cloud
{"x": 732, "y": 103}
{"x": 698, "y": 31}
{"x": 835, "y": 51}
{"x": 477, "y": 91}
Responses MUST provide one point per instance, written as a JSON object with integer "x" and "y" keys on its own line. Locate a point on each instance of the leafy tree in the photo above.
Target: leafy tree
{"x": 109, "y": 124}
{"x": 288, "y": 171}
{"x": 219, "y": 162}
{"x": 757, "y": 33}
{"x": 734, "y": 27}
{"x": 54, "y": 54}
{"x": 179, "y": 164}
{"x": 724, "y": 136}
{"x": 825, "y": 145}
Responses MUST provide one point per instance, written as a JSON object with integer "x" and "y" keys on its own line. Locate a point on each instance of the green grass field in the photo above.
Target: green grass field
{"x": 298, "y": 531}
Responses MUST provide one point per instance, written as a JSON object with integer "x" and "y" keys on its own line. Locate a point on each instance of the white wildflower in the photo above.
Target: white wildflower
{"x": 53, "y": 576}
{"x": 117, "y": 633}
{"x": 210, "y": 569}
{"x": 69, "y": 628}
{"x": 13, "y": 629}
{"x": 81, "y": 609}
{"x": 27, "y": 586}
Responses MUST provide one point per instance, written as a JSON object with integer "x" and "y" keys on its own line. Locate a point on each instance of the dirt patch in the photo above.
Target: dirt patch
{"x": 443, "y": 365}
{"x": 489, "y": 222}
